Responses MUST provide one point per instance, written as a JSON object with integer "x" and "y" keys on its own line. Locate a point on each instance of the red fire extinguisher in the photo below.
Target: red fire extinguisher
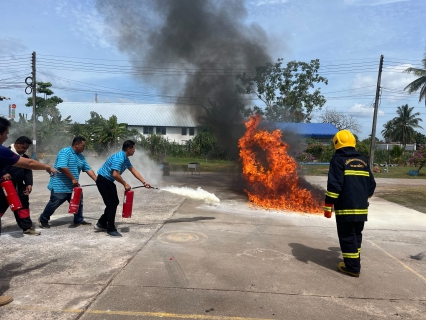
{"x": 128, "y": 203}
{"x": 11, "y": 195}
{"x": 75, "y": 200}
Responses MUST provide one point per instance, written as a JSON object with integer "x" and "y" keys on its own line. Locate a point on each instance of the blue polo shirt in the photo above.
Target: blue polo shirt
{"x": 75, "y": 163}
{"x": 7, "y": 158}
{"x": 118, "y": 161}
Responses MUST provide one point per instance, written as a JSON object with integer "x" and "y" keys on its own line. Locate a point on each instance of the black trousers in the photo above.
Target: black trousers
{"x": 23, "y": 223}
{"x": 108, "y": 191}
{"x": 350, "y": 238}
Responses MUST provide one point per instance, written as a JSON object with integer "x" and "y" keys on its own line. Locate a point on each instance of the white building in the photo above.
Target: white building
{"x": 174, "y": 122}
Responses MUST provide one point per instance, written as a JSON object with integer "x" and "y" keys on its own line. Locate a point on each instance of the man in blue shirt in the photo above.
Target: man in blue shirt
{"x": 8, "y": 158}
{"x": 70, "y": 162}
{"x": 110, "y": 172}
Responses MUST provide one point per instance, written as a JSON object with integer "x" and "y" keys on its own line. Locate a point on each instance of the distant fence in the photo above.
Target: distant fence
{"x": 389, "y": 146}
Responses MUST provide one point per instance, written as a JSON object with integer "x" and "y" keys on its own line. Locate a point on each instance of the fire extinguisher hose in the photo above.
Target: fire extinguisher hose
{"x": 146, "y": 187}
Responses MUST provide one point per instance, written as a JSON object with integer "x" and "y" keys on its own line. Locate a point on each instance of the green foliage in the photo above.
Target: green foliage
{"x": 304, "y": 157}
{"x": 420, "y": 82}
{"x": 327, "y": 154}
{"x": 286, "y": 91}
{"x": 315, "y": 149}
{"x": 396, "y": 153}
{"x": 381, "y": 156}
{"x": 104, "y": 135}
{"x": 420, "y": 139}
{"x": 418, "y": 158}
{"x": 363, "y": 148}
{"x": 401, "y": 128}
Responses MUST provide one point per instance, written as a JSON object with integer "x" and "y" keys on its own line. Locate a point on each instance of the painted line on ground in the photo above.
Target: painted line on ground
{"x": 134, "y": 313}
{"x": 402, "y": 263}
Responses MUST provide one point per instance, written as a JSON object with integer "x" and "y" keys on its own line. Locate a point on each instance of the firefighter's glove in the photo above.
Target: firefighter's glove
{"x": 327, "y": 210}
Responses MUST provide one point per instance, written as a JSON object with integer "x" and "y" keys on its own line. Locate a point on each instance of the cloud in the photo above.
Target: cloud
{"x": 363, "y": 111}
{"x": 86, "y": 22}
{"x": 10, "y": 46}
{"x": 371, "y": 2}
{"x": 393, "y": 81}
{"x": 268, "y": 2}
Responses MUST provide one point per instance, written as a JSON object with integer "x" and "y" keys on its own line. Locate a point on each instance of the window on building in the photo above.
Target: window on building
{"x": 184, "y": 131}
{"x": 191, "y": 131}
{"x": 148, "y": 130}
{"x": 160, "y": 130}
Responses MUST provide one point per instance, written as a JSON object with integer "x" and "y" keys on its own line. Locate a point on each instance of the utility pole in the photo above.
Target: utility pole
{"x": 376, "y": 107}
{"x": 34, "y": 89}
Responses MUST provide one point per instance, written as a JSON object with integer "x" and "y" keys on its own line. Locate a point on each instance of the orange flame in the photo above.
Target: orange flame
{"x": 274, "y": 182}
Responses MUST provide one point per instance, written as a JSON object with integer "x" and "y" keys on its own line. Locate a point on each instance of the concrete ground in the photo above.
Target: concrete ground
{"x": 180, "y": 258}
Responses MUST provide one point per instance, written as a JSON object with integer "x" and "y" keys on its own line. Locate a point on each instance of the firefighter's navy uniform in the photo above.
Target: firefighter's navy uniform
{"x": 350, "y": 184}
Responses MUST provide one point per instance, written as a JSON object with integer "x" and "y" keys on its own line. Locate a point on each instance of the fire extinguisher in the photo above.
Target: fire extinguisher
{"x": 11, "y": 195}
{"x": 75, "y": 200}
{"x": 128, "y": 203}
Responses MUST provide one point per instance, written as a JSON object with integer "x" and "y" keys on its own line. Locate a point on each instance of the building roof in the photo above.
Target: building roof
{"x": 134, "y": 114}
{"x": 314, "y": 130}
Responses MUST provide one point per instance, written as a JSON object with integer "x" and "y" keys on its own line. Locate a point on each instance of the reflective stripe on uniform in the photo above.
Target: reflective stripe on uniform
{"x": 332, "y": 194}
{"x": 357, "y": 173}
{"x": 350, "y": 255}
{"x": 351, "y": 211}
{"x": 327, "y": 208}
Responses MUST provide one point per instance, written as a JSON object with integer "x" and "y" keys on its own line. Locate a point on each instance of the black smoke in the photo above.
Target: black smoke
{"x": 191, "y": 51}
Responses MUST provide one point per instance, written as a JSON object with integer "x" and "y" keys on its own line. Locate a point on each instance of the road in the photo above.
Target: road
{"x": 180, "y": 258}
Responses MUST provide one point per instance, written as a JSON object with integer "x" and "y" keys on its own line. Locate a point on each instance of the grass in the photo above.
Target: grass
{"x": 181, "y": 164}
{"x": 410, "y": 197}
{"x": 394, "y": 172}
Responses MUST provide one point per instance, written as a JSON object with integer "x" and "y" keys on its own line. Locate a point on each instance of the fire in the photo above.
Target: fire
{"x": 271, "y": 174}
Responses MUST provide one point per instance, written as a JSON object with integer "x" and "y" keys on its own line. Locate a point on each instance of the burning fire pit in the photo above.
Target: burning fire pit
{"x": 194, "y": 168}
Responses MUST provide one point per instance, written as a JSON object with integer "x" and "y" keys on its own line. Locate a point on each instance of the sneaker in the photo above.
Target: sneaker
{"x": 32, "y": 232}
{"x": 99, "y": 228}
{"x": 43, "y": 225}
{"x": 82, "y": 223}
{"x": 342, "y": 268}
{"x": 4, "y": 300}
{"x": 114, "y": 233}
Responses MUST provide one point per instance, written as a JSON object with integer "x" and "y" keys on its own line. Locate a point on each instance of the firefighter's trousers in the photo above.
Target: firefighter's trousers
{"x": 350, "y": 238}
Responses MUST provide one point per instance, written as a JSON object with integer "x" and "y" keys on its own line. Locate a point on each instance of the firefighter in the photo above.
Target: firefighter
{"x": 350, "y": 184}
{"x": 23, "y": 180}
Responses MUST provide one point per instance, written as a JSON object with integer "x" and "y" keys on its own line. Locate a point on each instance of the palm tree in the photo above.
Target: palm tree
{"x": 404, "y": 124}
{"x": 387, "y": 131}
{"x": 420, "y": 82}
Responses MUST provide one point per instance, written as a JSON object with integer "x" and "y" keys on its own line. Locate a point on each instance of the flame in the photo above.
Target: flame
{"x": 273, "y": 181}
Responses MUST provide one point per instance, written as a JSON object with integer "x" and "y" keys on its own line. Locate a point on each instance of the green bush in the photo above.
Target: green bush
{"x": 316, "y": 149}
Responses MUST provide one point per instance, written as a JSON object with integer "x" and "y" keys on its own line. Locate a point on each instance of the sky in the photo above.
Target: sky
{"x": 78, "y": 52}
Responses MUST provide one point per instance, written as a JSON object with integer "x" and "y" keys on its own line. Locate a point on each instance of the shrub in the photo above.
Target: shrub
{"x": 316, "y": 149}
{"x": 419, "y": 157}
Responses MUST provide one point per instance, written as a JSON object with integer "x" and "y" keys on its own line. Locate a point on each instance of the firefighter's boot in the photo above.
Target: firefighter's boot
{"x": 342, "y": 268}
{"x": 4, "y": 300}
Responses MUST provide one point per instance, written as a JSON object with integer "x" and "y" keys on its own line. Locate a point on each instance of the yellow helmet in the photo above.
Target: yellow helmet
{"x": 343, "y": 138}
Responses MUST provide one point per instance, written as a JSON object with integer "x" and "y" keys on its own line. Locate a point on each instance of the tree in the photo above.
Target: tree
{"x": 404, "y": 124}
{"x": 285, "y": 91}
{"x": 103, "y": 134}
{"x": 53, "y": 131}
{"x": 420, "y": 82}
{"x": 45, "y": 106}
{"x": 341, "y": 120}
{"x": 387, "y": 131}
{"x": 420, "y": 138}
{"x": 111, "y": 132}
